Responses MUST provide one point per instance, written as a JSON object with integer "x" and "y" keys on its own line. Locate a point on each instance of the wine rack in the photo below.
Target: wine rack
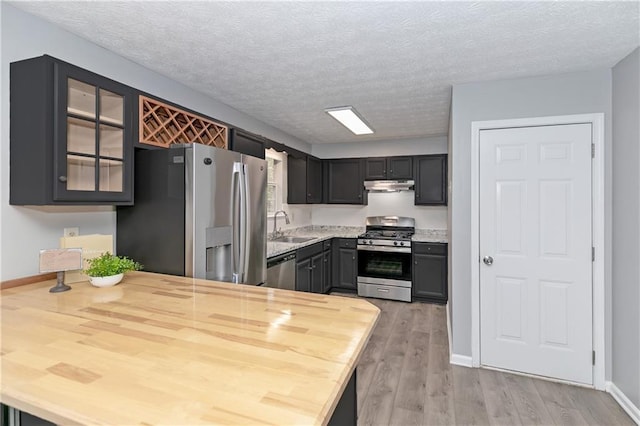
{"x": 163, "y": 125}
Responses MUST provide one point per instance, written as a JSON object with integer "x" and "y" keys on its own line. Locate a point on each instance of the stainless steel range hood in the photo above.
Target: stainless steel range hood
{"x": 388, "y": 185}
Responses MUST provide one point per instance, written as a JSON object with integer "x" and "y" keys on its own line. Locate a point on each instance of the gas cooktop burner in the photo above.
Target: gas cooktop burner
{"x": 387, "y": 235}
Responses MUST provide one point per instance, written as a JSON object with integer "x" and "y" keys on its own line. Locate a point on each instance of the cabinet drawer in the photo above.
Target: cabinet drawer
{"x": 430, "y": 248}
{"x": 347, "y": 242}
{"x": 308, "y": 251}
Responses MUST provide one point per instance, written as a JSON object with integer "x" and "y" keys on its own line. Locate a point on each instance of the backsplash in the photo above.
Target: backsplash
{"x": 381, "y": 204}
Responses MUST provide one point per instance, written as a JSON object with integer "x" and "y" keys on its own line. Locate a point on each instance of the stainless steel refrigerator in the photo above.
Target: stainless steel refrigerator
{"x": 199, "y": 212}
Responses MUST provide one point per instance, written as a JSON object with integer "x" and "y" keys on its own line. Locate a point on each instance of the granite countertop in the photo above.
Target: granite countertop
{"x": 317, "y": 233}
{"x": 431, "y": 236}
{"x": 161, "y": 349}
{"x": 320, "y": 233}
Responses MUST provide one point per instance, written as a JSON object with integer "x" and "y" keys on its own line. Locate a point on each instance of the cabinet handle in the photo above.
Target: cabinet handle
{"x": 353, "y": 258}
{"x": 415, "y": 262}
{"x": 62, "y": 178}
{"x": 309, "y": 195}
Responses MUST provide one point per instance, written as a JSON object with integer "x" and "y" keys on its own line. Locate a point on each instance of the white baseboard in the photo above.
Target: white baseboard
{"x": 462, "y": 360}
{"x": 625, "y": 403}
{"x": 449, "y": 330}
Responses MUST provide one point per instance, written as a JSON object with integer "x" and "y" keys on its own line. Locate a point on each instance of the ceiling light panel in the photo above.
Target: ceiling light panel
{"x": 349, "y": 118}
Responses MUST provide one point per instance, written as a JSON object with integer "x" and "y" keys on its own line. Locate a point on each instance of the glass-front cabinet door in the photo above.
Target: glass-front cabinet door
{"x": 93, "y": 144}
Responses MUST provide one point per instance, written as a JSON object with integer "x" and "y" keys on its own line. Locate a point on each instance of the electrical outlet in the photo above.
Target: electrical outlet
{"x": 71, "y": 232}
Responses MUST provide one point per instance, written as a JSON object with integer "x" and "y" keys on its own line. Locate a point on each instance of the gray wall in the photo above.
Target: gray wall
{"x": 574, "y": 93}
{"x": 626, "y": 226}
{"x": 24, "y": 230}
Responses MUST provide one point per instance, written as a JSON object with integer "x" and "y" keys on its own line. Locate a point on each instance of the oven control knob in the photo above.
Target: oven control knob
{"x": 370, "y": 242}
{"x": 401, "y": 243}
{"x": 395, "y": 243}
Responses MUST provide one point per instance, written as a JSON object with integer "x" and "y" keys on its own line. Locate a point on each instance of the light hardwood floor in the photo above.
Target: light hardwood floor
{"x": 404, "y": 378}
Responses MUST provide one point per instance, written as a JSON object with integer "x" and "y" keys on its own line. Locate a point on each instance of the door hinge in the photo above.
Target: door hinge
{"x": 593, "y": 254}
{"x": 593, "y": 358}
{"x": 593, "y": 150}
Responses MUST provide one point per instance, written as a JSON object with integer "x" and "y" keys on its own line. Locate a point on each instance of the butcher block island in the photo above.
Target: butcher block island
{"x": 159, "y": 349}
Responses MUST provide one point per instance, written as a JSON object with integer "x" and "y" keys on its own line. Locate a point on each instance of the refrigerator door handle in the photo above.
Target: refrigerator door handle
{"x": 244, "y": 225}
{"x": 236, "y": 241}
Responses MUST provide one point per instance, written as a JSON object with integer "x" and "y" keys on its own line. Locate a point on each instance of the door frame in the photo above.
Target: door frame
{"x": 598, "y": 228}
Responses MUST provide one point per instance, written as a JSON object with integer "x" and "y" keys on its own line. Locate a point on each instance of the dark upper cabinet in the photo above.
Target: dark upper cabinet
{"x": 375, "y": 168}
{"x": 388, "y": 168}
{"x": 345, "y": 263}
{"x": 344, "y": 181}
{"x": 296, "y": 180}
{"x": 430, "y": 272}
{"x": 431, "y": 180}
{"x": 304, "y": 180}
{"x": 71, "y": 136}
{"x": 314, "y": 180}
{"x": 247, "y": 143}
{"x": 400, "y": 168}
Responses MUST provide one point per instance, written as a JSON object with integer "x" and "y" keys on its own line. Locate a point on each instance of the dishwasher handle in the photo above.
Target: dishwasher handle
{"x": 280, "y": 259}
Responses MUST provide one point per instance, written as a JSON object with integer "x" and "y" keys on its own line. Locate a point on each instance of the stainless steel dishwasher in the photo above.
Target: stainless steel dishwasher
{"x": 281, "y": 272}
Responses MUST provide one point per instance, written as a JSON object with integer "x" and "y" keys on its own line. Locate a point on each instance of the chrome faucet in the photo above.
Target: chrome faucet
{"x": 275, "y": 220}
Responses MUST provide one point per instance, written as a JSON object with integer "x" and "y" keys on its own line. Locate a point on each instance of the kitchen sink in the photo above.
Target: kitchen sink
{"x": 289, "y": 239}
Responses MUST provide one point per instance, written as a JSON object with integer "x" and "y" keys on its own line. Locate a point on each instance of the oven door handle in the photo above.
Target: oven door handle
{"x": 394, "y": 249}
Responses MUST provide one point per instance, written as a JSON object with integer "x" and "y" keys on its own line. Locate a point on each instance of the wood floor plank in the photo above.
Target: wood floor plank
{"x": 439, "y": 403}
{"x": 557, "y": 401}
{"x": 500, "y": 407}
{"x": 378, "y": 404}
{"x": 469, "y": 402}
{"x": 528, "y": 403}
{"x": 595, "y": 410}
{"x": 422, "y": 316}
{"x": 412, "y": 387}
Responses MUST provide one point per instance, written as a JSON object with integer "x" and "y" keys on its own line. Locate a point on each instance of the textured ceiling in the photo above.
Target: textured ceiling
{"x": 395, "y": 62}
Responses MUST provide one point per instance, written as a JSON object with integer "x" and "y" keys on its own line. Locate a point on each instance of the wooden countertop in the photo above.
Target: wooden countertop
{"x": 159, "y": 349}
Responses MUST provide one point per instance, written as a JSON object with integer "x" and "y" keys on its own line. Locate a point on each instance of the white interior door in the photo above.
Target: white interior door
{"x": 535, "y": 248}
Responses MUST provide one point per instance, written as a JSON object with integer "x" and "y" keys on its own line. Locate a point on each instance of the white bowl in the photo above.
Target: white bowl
{"x": 106, "y": 281}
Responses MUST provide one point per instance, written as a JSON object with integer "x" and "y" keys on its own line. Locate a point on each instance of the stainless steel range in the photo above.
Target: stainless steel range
{"x": 384, "y": 258}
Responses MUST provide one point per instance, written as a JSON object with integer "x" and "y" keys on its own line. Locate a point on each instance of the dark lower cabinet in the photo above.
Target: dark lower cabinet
{"x": 303, "y": 275}
{"x": 346, "y": 412}
{"x": 310, "y": 269}
{"x": 429, "y": 271}
{"x": 327, "y": 275}
{"x": 345, "y": 181}
{"x": 345, "y": 268}
{"x": 431, "y": 180}
{"x": 12, "y": 416}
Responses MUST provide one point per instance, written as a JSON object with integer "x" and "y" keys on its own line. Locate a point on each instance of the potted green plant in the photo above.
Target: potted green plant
{"x": 108, "y": 269}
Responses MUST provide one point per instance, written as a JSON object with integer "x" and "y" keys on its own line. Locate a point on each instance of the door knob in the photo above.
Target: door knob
{"x": 488, "y": 260}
